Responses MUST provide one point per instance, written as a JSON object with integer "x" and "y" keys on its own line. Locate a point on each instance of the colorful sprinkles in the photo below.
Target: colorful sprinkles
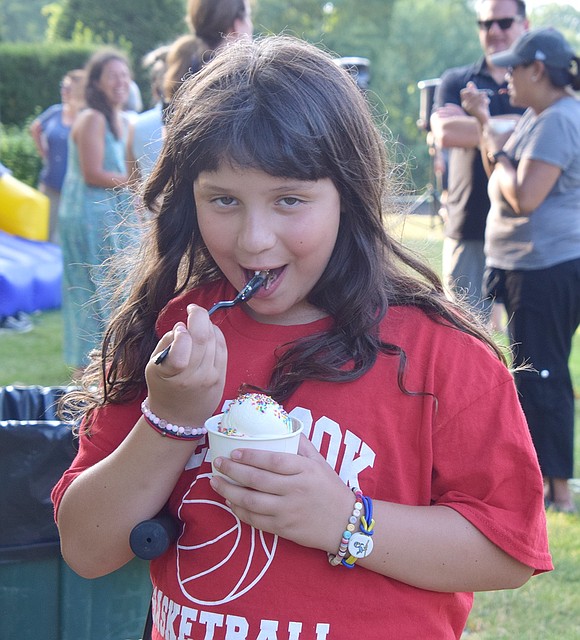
{"x": 262, "y": 404}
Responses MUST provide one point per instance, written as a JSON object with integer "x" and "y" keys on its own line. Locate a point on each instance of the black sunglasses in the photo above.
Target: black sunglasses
{"x": 524, "y": 65}
{"x": 503, "y": 23}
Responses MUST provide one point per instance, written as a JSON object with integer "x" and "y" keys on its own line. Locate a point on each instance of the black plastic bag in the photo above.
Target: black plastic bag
{"x": 30, "y": 403}
{"x": 34, "y": 452}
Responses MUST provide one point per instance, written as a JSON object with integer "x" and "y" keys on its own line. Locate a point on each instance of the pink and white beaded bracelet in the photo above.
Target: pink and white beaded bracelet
{"x": 167, "y": 429}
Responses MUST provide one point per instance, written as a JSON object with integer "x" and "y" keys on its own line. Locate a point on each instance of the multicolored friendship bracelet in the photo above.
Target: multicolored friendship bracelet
{"x": 336, "y": 559}
{"x": 358, "y": 544}
{"x": 167, "y": 429}
{"x": 361, "y": 544}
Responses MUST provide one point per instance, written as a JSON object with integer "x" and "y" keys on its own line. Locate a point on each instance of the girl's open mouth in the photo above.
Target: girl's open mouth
{"x": 271, "y": 276}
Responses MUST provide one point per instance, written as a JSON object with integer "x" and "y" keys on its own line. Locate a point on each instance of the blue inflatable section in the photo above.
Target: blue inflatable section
{"x": 30, "y": 275}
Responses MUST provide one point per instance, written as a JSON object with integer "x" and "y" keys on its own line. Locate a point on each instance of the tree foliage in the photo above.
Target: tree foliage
{"x": 22, "y": 20}
{"x": 139, "y": 25}
{"x": 30, "y": 82}
{"x": 421, "y": 45}
{"x": 564, "y": 17}
{"x": 405, "y": 41}
{"x": 346, "y": 27}
{"x": 18, "y": 152}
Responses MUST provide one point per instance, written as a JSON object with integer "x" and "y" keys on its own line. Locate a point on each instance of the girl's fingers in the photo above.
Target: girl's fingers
{"x": 268, "y": 470}
{"x": 308, "y": 450}
{"x": 189, "y": 343}
{"x": 208, "y": 350}
{"x": 276, "y": 493}
{"x": 180, "y": 351}
{"x": 199, "y": 327}
{"x": 220, "y": 356}
{"x": 282, "y": 463}
{"x": 196, "y": 349}
{"x": 285, "y": 464}
{"x": 260, "y": 497}
{"x": 257, "y": 509}
{"x": 165, "y": 341}
{"x": 193, "y": 342}
{"x": 263, "y": 471}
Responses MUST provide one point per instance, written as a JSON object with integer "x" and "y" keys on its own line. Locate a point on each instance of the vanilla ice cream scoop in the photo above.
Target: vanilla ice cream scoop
{"x": 255, "y": 415}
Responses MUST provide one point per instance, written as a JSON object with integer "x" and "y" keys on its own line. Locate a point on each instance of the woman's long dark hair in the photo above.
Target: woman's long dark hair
{"x": 281, "y": 106}
{"x": 94, "y": 97}
{"x": 209, "y": 21}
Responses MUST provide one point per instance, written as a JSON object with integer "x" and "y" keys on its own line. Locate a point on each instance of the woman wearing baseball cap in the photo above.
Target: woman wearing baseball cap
{"x": 533, "y": 238}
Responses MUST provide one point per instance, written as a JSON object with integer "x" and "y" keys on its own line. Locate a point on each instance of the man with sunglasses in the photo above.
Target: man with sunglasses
{"x": 500, "y": 23}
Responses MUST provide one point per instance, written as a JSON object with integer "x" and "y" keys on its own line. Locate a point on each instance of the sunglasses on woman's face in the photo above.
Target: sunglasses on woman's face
{"x": 503, "y": 23}
{"x": 510, "y": 70}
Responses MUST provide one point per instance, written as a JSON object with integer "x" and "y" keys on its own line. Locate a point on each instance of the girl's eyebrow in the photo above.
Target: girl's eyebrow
{"x": 305, "y": 185}
{"x": 207, "y": 186}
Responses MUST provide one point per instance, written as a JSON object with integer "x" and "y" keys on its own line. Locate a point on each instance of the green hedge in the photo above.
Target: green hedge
{"x": 18, "y": 153}
{"x": 31, "y": 73}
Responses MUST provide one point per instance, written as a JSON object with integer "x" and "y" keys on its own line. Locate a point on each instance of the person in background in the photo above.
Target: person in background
{"x": 533, "y": 238}
{"x": 146, "y": 129}
{"x": 134, "y": 104}
{"x": 212, "y": 23}
{"x": 93, "y": 204}
{"x": 500, "y": 23}
{"x": 50, "y": 132}
{"x": 413, "y": 434}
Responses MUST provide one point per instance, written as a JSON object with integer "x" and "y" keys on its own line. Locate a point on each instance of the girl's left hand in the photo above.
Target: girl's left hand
{"x": 298, "y": 497}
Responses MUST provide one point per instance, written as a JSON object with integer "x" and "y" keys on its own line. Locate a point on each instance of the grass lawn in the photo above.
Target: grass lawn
{"x": 546, "y": 608}
{"x": 35, "y": 357}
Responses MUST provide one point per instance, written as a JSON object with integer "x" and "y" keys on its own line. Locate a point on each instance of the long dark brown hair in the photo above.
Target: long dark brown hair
{"x": 284, "y": 107}
{"x": 94, "y": 97}
{"x": 209, "y": 21}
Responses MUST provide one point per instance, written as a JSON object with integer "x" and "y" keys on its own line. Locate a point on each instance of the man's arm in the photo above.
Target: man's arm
{"x": 450, "y": 124}
{"x": 452, "y": 127}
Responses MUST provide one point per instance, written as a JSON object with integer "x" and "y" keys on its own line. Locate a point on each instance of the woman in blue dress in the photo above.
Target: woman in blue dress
{"x": 94, "y": 202}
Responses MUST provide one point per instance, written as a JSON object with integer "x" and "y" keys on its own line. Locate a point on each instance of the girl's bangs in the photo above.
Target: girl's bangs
{"x": 255, "y": 140}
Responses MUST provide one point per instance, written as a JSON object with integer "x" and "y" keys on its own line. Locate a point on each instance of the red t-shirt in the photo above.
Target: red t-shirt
{"x": 470, "y": 451}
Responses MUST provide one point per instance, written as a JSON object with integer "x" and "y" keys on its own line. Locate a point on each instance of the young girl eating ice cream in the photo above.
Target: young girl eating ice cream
{"x": 415, "y": 482}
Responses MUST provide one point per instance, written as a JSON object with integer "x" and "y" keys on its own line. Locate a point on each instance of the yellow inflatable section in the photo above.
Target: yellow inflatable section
{"x": 24, "y": 211}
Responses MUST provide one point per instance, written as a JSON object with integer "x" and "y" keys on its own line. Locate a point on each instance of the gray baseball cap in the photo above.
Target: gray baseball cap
{"x": 546, "y": 45}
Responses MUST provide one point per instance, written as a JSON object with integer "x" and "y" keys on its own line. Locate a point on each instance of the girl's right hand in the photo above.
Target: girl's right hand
{"x": 187, "y": 387}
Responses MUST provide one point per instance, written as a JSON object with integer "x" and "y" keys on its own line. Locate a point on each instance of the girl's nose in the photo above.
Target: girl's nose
{"x": 257, "y": 233}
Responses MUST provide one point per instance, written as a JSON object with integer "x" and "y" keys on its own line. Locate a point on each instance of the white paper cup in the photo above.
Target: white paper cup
{"x": 221, "y": 444}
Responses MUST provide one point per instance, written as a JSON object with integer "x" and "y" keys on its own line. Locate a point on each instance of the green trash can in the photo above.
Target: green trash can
{"x": 40, "y": 597}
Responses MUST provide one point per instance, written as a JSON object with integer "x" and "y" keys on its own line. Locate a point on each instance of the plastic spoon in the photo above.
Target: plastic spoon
{"x": 250, "y": 288}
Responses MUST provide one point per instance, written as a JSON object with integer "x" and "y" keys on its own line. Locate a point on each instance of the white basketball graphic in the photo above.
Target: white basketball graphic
{"x": 219, "y": 558}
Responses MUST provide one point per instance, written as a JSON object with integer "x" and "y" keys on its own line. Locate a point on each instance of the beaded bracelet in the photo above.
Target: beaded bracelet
{"x": 347, "y": 534}
{"x": 167, "y": 429}
{"x": 361, "y": 544}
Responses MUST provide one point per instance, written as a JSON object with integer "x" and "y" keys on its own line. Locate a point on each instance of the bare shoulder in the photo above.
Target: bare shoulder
{"x": 90, "y": 122}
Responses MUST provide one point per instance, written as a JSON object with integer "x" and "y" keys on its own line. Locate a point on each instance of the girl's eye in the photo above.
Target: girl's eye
{"x": 225, "y": 201}
{"x": 290, "y": 201}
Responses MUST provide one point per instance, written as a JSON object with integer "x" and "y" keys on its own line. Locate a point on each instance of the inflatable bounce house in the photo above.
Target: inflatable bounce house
{"x": 30, "y": 267}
